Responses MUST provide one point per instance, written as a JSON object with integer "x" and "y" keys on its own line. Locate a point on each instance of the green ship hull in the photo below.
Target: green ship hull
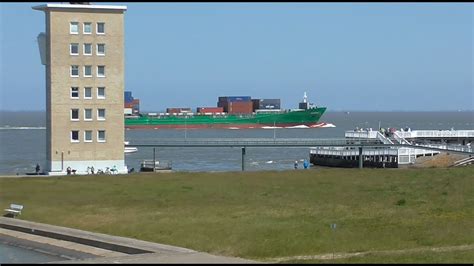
{"x": 297, "y": 118}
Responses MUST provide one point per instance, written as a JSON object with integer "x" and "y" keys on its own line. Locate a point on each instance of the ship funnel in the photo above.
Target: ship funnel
{"x": 42, "y": 47}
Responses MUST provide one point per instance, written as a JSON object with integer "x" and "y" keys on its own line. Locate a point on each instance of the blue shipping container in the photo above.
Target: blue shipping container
{"x": 235, "y": 99}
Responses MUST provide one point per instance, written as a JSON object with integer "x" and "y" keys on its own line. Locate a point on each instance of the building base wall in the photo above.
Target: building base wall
{"x": 81, "y": 167}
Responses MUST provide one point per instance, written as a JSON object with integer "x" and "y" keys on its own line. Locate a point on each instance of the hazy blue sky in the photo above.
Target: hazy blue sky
{"x": 347, "y": 56}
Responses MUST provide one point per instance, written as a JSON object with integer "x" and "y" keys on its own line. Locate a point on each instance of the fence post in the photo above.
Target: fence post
{"x": 154, "y": 160}
{"x": 243, "y": 158}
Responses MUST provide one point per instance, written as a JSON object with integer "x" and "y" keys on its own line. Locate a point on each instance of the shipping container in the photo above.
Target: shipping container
{"x": 128, "y": 96}
{"x": 240, "y": 107}
{"x": 136, "y": 108}
{"x": 128, "y": 105}
{"x": 223, "y": 105}
{"x": 235, "y": 99}
{"x": 255, "y": 104}
{"x": 127, "y": 111}
{"x": 210, "y": 109}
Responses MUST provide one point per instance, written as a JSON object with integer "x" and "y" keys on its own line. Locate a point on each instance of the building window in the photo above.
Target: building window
{"x": 100, "y": 49}
{"x": 74, "y": 92}
{"x": 101, "y": 135}
{"x": 74, "y": 71}
{"x": 75, "y": 114}
{"x": 74, "y": 49}
{"x": 88, "y": 114}
{"x": 87, "y": 71}
{"x": 101, "y": 93}
{"x": 74, "y": 28}
{"x": 100, "y": 28}
{"x": 87, "y": 93}
{"x": 100, "y": 114}
{"x": 87, "y": 28}
{"x": 74, "y": 135}
{"x": 100, "y": 71}
{"x": 87, "y": 48}
{"x": 88, "y": 136}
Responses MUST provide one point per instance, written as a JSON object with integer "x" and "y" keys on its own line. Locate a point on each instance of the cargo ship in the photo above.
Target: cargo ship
{"x": 232, "y": 113}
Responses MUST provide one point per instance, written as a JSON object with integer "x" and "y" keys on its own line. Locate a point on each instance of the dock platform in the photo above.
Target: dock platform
{"x": 401, "y": 147}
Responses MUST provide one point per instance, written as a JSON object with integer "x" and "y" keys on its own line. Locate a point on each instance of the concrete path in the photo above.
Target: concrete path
{"x": 109, "y": 249}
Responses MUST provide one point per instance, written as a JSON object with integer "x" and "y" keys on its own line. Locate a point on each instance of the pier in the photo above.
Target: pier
{"x": 401, "y": 147}
{"x": 360, "y": 146}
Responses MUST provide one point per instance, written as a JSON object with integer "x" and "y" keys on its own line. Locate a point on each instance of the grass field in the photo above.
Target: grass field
{"x": 268, "y": 215}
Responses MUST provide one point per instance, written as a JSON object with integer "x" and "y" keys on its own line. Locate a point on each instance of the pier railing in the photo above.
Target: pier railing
{"x": 254, "y": 142}
{"x": 447, "y": 147}
{"x": 353, "y": 152}
{"x": 294, "y": 142}
{"x": 399, "y": 138}
{"x": 437, "y": 134}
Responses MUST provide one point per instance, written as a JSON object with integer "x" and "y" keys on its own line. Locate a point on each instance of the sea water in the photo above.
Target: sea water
{"x": 16, "y": 254}
{"x": 23, "y": 140}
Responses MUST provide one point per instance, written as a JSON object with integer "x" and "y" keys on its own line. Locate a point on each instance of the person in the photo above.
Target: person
{"x": 92, "y": 169}
{"x": 296, "y": 164}
{"x": 37, "y": 169}
{"x": 305, "y": 164}
{"x": 114, "y": 169}
{"x": 68, "y": 170}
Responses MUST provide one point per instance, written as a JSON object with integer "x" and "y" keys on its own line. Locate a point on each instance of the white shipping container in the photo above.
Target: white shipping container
{"x": 127, "y": 111}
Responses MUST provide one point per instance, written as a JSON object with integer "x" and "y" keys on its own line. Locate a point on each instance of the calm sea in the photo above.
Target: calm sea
{"x": 14, "y": 254}
{"x": 23, "y": 144}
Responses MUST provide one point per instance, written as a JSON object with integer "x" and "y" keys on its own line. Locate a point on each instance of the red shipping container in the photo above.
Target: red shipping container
{"x": 210, "y": 109}
{"x": 129, "y": 105}
{"x": 240, "y": 107}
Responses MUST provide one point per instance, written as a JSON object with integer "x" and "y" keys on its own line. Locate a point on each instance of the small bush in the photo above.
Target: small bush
{"x": 401, "y": 202}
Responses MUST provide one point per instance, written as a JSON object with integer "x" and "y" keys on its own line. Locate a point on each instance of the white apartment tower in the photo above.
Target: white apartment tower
{"x": 83, "y": 51}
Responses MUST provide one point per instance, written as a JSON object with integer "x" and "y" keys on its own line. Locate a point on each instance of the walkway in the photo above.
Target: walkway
{"x": 110, "y": 249}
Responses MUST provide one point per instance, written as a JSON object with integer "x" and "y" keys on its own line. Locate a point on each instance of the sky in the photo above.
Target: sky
{"x": 346, "y": 56}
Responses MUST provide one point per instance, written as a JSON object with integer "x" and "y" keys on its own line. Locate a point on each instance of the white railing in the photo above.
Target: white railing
{"x": 463, "y": 148}
{"x": 465, "y": 161}
{"x": 400, "y": 139}
{"x": 436, "y": 134}
{"x": 404, "y": 155}
{"x": 352, "y": 152}
{"x": 368, "y": 135}
{"x": 383, "y": 139}
{"x": 361, "y": 134}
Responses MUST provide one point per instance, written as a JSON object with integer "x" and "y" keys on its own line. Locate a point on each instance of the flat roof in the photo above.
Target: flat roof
{"x": 103, "y": 7}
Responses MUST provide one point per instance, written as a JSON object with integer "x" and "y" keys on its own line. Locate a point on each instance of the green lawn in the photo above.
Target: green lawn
{"x": 266, "y": 215}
